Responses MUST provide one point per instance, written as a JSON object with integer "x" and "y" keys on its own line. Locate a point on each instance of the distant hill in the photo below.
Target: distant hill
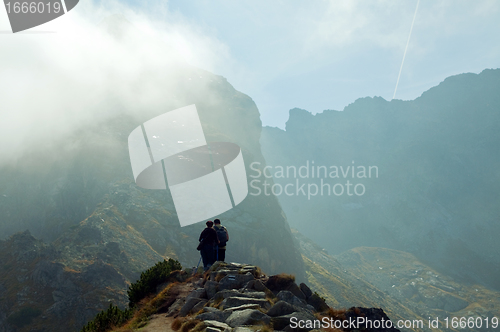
{"x": 434, "y": 186}
{"x": 398, "y": 282}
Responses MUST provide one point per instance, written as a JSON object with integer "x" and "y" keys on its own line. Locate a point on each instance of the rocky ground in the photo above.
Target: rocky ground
{"x": 239, "y": 298}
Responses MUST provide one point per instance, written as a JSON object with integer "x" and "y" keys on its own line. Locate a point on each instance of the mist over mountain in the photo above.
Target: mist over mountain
{"x": 52, "y": 189}
{"x": 433, "y": 189}
{"x": 76, "y": 162}
{"x": 76, "y": 230}
{"x": 74, "y": 189}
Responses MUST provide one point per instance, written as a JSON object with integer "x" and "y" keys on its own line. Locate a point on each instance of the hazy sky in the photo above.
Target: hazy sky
{"x": 321, "y": 55}
{"x": 314, "y": 55}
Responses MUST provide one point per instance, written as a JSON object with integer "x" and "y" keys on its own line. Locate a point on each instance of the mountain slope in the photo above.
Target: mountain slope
{"x": 433, "y": 186}
{"x": 404, "y": 287}
{"x": 78, "y": 195}
{"x": 343, "y": 288}
{"x": 425, "y": 290}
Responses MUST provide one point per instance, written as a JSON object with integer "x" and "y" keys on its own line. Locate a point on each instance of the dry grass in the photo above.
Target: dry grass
{"x": 258, "y": 272}
{"x": 217, "y": 302}
{"x": 192, "y": 325}
{"x": 219, "y": 276}
{"x": 163, "y": 295}
{"x": 177, "y": 323}
{"x": 206, "y": 276}
{"x": 336, "y": 314}
{"x": 149, "y": 306}
{"x": 271, "y": 297}
{"x": 192, "y": 279}
{"x": 279, "y": 282}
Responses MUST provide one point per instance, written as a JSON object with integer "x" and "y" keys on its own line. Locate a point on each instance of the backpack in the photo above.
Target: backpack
{"x": 221, "y": 235}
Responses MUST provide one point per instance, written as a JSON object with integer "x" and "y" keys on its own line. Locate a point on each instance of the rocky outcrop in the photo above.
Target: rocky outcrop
{"x": 246, "y": 303}
{"x": 43, "y": 292}
{"x": 104, "y": 229}
{"x": 78, "y": 194}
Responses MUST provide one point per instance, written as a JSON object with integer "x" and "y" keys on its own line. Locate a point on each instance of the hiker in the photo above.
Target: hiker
{"x": 208, "y": 244}
{"x": 223, "y": 237}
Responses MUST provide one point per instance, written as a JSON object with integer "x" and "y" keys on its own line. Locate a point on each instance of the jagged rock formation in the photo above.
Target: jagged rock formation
{"x": 238, "y": 297}
{"x": 85, "y": 174}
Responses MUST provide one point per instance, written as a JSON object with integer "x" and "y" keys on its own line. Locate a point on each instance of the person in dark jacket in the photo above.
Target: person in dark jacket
{"x": 223, "y": 236}
{"x": 209, "y": 242}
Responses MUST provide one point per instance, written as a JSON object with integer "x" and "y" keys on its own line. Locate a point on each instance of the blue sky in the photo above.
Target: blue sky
{"x": 314, "y": 55}
{"x": 321, "y": 55}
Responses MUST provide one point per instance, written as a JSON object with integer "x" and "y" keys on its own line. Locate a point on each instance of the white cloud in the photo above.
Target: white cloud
{"x": 53, "y": 83}
{"x": 277, "y": 52}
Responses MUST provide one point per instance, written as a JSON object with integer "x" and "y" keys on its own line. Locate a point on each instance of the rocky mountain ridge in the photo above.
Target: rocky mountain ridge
{"x": 237, "y": 297}
{"x": 102, "y": 230}
{"x": 40, "y": 285}
{"x": 433, "y": 190}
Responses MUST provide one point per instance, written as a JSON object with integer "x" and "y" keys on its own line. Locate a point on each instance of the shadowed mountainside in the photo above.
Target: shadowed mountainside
{"x": 433, "y": 190}
{"x": 79, "y": 196}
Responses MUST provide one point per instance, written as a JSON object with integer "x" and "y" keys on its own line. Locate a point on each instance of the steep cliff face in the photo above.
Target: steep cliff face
{"x": 433, "y": 185}
{"x": 79, "y": 195}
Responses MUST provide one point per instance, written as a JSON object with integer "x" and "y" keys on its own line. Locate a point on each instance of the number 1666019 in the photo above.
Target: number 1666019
{"x": 33, "y": 7}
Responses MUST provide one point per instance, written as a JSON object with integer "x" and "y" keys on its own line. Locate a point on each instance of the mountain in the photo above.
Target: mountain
{"x": 411, "y": 294}
{"x": 406, "y": 289}
{"x": 39, "y": 293}
{"x": 418, "y": 176}
{"x": 100, "y": 230}
{"x": 76, "y": 230}
{"x": 424, "y": 290}
{"x": 343, "y": 288}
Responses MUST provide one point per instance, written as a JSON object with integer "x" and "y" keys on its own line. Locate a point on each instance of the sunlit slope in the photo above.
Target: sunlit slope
{"x": 426, "y": 291}
{"x": 405, "y": 288}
